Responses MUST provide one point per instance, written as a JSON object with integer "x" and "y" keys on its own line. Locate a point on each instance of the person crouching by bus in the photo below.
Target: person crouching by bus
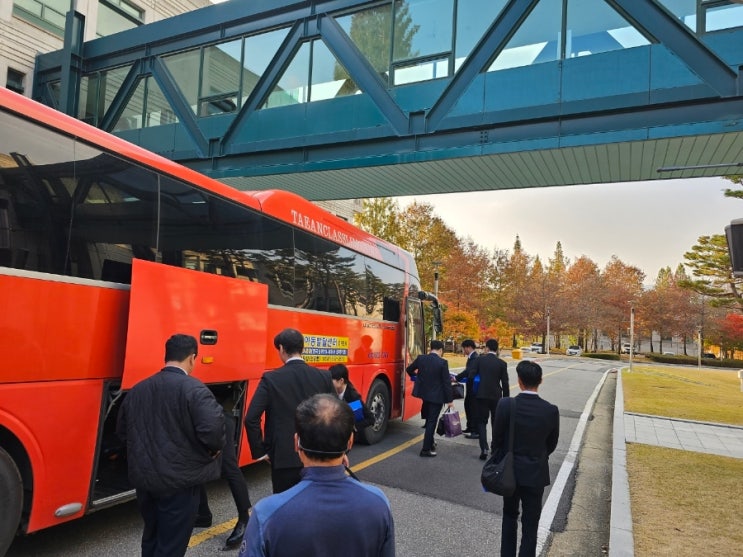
{"x": 346, "y": 391}
{"x": 277, "y": 396}
{"x": 328, "y": 513}
{"x": 433, "y": 386}
{"x": 173, "y": 428}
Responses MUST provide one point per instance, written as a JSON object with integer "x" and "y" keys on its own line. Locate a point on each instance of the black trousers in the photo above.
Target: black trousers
{"x": 530, "y": 499}
{"x": 433, "y": 409}
{"x": 484, "y": 410}
{"x": 168, "y": 521}
{"x": 230, "y": 472}
{"x": 284, "y": 478}
{"x": 469, "y": 409}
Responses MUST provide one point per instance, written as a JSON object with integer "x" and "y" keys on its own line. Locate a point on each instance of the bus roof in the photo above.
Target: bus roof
{"x": 282, "y": 205}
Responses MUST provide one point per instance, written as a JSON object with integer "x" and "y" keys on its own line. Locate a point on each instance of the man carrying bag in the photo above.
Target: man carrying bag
{"x": 537, "y": 429}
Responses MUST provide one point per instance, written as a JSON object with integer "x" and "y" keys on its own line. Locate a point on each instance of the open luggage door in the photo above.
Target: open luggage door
{"x": 415, "y": 344}
{"x": 226, "y": 315}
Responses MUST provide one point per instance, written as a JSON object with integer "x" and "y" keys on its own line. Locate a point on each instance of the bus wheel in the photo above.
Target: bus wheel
{"x": 378, "y": 402}
{"x": 11, "y": 495}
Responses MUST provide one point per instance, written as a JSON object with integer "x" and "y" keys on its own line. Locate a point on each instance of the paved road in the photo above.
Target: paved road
{"x": 437, "y": 502}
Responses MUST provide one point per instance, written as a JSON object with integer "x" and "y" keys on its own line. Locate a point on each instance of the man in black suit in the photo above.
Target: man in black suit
{"x": 433, "y": 385}
{"x": 277, "y": 396}
{"x": 537, "y": 429}
{"x": 468, "y": 347}
{"x": 491, "y": 383}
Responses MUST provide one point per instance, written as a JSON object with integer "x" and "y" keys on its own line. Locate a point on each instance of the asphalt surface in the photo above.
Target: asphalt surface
{"x": 438, "y": 504}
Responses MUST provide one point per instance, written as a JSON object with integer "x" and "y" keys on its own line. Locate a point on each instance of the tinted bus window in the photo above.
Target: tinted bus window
{"x": 384, "y": 290}
{"x": 328, "y": 277}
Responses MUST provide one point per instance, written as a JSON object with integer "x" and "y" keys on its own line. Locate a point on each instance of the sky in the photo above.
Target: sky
{"x": 646, "y": 224}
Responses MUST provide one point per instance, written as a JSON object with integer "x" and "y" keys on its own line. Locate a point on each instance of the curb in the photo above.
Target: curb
{"x": 549, "y": 510}
{"x": 621, "y": 540}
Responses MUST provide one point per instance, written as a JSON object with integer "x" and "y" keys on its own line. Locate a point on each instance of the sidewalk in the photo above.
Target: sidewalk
{"x": 718, "y": 439}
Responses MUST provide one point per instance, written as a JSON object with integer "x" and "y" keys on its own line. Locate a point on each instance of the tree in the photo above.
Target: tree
{"x": 731, "y": 332}
{"x": 460, "y": 325}
{"x": 622, "y": 284}
{"x": 709, "y": 262}
{"x": 582, "y": 299}
{"x": 381, "y": 217}
{"x": 515, "y": 276}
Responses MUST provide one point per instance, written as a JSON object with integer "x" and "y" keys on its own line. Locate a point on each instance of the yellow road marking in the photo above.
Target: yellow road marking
{"x": 225, "y": 527}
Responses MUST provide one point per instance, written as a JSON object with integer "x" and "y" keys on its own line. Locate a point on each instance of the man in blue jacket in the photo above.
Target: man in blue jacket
{"x": 327, "y": 513}
{"x": 173, "y": 428}
{"x": 433, "y": 385}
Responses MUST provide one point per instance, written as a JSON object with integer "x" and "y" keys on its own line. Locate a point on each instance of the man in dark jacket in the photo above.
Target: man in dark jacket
{"x": 346, "y": 391}
{"x": 433, "y": 385}
{"x": 277, "y": 396}
{"x": 491, "y": 375}
{"x": 468, "y": 374}
{"x": 173, "y": 428}
{"x": 537, "y": 429}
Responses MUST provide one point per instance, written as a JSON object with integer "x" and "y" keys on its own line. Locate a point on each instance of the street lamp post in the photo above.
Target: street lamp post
{"x": 547, "y": 341}
{"x": 631, "y": 333}
{"x": 435, "y": 289}
{"x": 699, "y": 348}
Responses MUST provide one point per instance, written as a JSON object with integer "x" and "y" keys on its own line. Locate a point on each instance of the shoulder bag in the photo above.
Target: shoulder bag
{"x": 498, "y": 476}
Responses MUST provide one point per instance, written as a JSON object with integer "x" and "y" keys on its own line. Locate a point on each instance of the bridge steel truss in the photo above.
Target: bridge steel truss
{"x": 674, "y": 104}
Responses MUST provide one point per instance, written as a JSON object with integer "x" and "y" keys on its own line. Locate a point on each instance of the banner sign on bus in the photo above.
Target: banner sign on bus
{"x": 322, "y": 349}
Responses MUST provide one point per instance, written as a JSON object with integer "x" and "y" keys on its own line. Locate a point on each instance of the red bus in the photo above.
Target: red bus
{"x": 107, "y": 249}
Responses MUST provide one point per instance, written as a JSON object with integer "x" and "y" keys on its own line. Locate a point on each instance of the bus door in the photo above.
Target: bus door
{"x": 226, "y": 315}
{"x": 415, "y": 344}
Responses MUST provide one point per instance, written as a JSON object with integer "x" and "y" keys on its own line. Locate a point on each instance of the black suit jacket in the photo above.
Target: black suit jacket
{"x": 535, "y": 438}
{"x": 432, "y": 380}
{"x": 278, "y": 394}
{"x": 350, "y": 395}
{"x": 493, "y": 374}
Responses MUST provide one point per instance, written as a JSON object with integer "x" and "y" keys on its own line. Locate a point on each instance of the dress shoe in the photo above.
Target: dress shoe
{"x": 236, "y": 537}
{"x": 472, "y": 436}
{"x": 428, "y": 453}
{"x": 202, "y": 521}
{"x": 484, "y": 455}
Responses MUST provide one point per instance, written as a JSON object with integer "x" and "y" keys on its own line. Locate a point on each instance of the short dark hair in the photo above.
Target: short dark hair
{"x": 291, "y": 339}
{"x": 492, "y": 344}
{"x": 530, "y": 373}
{"x": 339, "y": 371}
{"x": 437, "y": 345}
{"x": 468, "y": 343}
{"x": 324, "y": 424}
{"x": 179, "y": 347}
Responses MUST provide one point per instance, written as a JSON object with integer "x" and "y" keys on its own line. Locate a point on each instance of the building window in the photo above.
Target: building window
{"x": 117, "y": 15}
{"x": 48, "y": 14}
{"x": 15, "y": 81}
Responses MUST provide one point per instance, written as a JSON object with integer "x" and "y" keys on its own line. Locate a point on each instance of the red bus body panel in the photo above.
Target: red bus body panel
{"x": 167, "y": 300}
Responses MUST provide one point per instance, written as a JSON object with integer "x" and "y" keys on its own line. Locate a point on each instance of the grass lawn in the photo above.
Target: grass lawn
{"x": 686, "y": 393}
{"x": 684, "y": 503}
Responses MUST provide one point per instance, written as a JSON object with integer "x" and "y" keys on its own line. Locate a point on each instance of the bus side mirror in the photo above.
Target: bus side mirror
{"x": 438, "y": 326}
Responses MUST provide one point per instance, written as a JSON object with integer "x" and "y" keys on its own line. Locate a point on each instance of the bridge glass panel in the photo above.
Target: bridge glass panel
{"x": 184, "y": 68}
{"x": 422, "y": 42}
{"x": 536, "y": 40}
{"x": 132, "y": 117}
{"x": 220, "y": 78}
{"x": 115, "y": 16}
{"x": 684, "y": 10}
{"x": 293, "y": 86}
{"x": 97, "y": 92}
{"x": 594, "y": 27}
{"x": 329, "y": 78}
{"x": 158, "y": 111}
{"x": 723, "y": 17}
{"x": 257, "y": 55}
{"x": 474, "y": 17}
{"x": 370, "y": 32}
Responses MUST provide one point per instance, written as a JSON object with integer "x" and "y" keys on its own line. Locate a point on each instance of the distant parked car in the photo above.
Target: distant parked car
{"x": 536, "y": 347}
{"x": 626, "y": 346}
{"x": 574, "y": 350}
{"x": 669, "y": 353}
{"x": 709, "y": 355}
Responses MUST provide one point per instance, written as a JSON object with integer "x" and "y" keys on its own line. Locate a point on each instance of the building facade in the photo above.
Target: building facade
{"x": 30, "y": 27}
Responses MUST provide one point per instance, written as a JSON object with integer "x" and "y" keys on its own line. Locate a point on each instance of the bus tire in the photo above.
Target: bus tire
{"x": 11, "y": 495}
{"x": 378, "y": 401}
